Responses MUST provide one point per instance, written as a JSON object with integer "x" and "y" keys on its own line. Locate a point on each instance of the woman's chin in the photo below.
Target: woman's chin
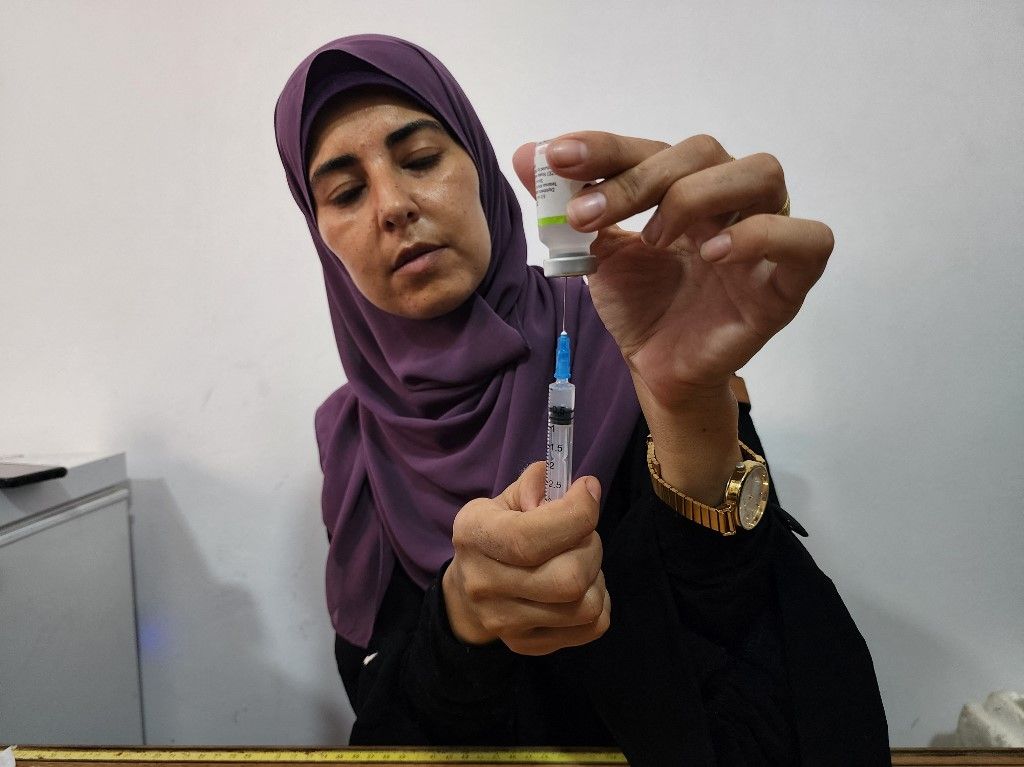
{"x": 428, "y": 304}
{"x": 432, "y": 295}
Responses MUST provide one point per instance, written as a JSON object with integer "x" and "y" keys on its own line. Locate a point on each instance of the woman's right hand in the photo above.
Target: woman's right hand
{"x": 528, "y": 572}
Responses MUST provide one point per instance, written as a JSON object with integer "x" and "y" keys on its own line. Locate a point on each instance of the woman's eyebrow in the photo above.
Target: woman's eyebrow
{"x": 334, "y": 164}
{"x": 395, "y": 137}
{"x": 407, "y": 130}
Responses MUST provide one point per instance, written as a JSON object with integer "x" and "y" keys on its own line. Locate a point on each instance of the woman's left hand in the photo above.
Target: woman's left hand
{"x": 715, "y": 273}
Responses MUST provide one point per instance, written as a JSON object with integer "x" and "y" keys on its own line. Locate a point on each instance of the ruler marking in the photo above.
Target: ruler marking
{"x": 383, "y": 756}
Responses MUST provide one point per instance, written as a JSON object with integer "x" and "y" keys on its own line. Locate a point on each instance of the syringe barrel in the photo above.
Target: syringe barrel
{"x": 561, "y": 394}
{"x": 558, "y": 473}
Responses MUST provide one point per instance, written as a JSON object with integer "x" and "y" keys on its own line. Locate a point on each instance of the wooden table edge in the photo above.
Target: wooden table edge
{"x": 115, "y": 756}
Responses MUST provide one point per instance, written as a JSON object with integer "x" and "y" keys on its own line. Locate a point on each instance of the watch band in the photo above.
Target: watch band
{"x": 724, "y": 519}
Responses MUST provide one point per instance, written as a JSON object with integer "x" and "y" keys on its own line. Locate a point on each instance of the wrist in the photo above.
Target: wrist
{"x": 696, "y": 439}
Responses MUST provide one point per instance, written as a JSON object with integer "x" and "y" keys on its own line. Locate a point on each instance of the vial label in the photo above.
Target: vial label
{"x": 553, "y": 192}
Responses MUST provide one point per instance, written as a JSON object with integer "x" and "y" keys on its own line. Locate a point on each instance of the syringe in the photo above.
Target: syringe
{"x": 561, "y": 402}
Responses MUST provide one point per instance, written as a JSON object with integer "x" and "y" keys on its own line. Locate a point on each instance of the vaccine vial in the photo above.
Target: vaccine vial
{"x": 568, "y": 250}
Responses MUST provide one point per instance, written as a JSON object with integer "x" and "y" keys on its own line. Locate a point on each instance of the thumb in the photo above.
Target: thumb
{"x": 522, "y": 162}
{"x": 527, "y": 492}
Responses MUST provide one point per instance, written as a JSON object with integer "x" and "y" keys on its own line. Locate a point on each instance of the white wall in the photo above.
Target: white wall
{"x": 159, "y": 294}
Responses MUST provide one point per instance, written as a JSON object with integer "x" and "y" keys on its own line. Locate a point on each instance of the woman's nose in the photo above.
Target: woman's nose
{"x": 396, "y": 208}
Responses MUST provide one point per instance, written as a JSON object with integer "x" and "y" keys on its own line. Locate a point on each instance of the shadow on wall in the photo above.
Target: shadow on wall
{"x": 208, "y": 676}
{"x": 924, "y": 715}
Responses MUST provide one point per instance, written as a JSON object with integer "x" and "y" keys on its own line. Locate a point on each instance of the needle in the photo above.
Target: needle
{"x": 565, "y": 290}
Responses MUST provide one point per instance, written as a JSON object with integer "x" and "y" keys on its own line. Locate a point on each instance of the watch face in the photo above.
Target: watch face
{"x": 753, "y": 497}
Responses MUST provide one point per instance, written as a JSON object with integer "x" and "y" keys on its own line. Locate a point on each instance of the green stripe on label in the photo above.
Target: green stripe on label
{"x": 551, "y": 220}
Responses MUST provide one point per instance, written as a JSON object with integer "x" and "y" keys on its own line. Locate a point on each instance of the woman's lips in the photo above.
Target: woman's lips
{"x": 419, "y": 262}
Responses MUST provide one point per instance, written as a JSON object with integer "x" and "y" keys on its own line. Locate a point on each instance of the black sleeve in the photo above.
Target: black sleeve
{"x": 416, "y": 684}
{"x": 728, "y": 620}
{"x": 757, "y": 615}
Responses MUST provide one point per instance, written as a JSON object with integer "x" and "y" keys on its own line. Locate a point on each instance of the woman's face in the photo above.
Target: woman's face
{"x": 398, "y": 202}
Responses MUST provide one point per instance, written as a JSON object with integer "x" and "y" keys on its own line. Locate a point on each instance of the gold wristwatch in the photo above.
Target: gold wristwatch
{"x": 746, "y": 495}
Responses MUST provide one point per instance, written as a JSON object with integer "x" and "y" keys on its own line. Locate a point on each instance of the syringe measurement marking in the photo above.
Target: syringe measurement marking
{"x": 558, "y": 470}
{"x": 559, "y": 458}
{"x": 561, "y": 403}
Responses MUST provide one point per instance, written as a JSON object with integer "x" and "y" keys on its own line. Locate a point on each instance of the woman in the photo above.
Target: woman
{"x": 467, "y": 610}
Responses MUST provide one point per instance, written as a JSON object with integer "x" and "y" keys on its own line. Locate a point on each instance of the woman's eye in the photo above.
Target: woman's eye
{"x": 422, "y": 163}
{"x": 349, "y": 196}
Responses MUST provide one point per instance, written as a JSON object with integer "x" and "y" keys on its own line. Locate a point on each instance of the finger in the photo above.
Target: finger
{"x": 737, "y": 189}
{"x": 584, "y": 156}
{"x": 541, "y": 641}
{"x": 528, "y": 538}
{"x": 636, "y": 176}
{"x": 527, "y": 492}
{"x": 798, "y": 248}
{"x": 523, "y": 164}
{"x": 537, "y": 536}
{"x": 521, "y": 615}
{"x": 562, "y": 580}
{"x": 589, "y": 155}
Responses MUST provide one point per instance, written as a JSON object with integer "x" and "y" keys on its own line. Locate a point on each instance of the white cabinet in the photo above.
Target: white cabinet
{"x": 69, "y": 668}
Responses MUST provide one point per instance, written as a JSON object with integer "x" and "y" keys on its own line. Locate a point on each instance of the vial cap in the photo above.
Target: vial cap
{"x": 570, "y": 265}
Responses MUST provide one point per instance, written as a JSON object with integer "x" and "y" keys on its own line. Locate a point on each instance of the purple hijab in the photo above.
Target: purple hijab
{"x": 437, "y": 412}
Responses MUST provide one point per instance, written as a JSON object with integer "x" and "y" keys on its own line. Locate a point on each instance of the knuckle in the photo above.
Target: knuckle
{"x": 616, "y": 147}
{"x": 630, "y": 184}
{"x": 588, "y": 511}
{"x": 639, "y": 185}
{"x": 708, "y": 147}
{"x": 589, "y": 556}
{"x": 771, "y": 168}
{"x": 830, "y": 241}
{"x": 659, "y": 172}
{"x": 592, "y": 606}
{"x": 474, "y": 586}
{"x": 678, "y": 198}
{"x": 462, "y": 526}
{"x": 570, "y": 585}
{"x": 492, "y": 622}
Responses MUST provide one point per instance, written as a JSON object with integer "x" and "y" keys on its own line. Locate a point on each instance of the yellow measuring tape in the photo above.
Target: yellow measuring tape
{"x": 300, "y": 756}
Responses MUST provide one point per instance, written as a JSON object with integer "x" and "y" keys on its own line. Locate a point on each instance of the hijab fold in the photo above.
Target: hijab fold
{"x": 437, "y": 412}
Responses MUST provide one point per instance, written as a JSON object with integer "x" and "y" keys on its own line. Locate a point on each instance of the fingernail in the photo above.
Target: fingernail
{"x": 586, "y": 209}
{"x": 567, "y": 152}
{"x": 594, "y": 488}
{"x": 717, "y": 247}
{"x": 652, "y": 232}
